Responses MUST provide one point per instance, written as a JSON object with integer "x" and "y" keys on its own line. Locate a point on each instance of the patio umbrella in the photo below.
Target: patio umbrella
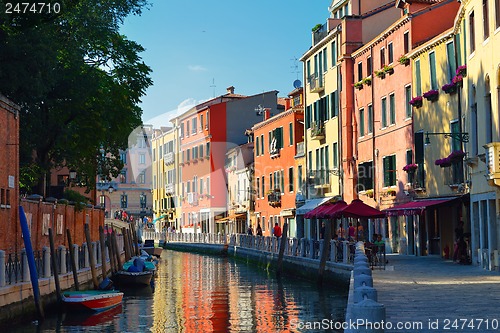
{"x": 329, "y": 212}
{"x": 358, "y": 209}
{"x": 315, "y": 213}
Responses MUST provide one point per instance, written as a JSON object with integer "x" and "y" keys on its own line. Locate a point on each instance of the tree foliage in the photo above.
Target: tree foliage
{"x": 78, "y": 82}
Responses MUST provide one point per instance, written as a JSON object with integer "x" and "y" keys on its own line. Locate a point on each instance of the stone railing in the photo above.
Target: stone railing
{"x": 340, "y": 251}
{"x": 14, "y": 267}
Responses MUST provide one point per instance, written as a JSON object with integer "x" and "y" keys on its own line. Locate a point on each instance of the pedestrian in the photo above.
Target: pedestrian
{"x": 249, "y": 230}
{"x": 322, "y": 231}
{"x": 460, "y": 245}
{"x": 277, "y": 230}
{"x": 258, "y": 230}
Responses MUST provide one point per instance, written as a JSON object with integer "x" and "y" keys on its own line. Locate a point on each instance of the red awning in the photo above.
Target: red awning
{"x": 358, "y": 209}
{"x": 330, "y": 211}
{"x": 416, "y": 207}
{"x": 316, "y": 211}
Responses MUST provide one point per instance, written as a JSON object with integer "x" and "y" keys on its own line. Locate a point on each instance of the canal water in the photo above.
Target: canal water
{"x": 198, "y": 293}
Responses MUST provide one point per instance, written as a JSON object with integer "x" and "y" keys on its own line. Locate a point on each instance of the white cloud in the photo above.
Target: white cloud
{"x": 197, "y": 68}
{"x": 163, "y": 120}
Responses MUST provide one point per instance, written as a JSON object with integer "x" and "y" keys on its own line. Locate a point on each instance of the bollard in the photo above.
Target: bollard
{"x": 86, "y": 255}
{"x": 362, "y": 270}
{"x": 46, "y": 259}
{"x": 369, "y": 315}
{"x": 360, "y": 259}
{"x": 362, "y": 280}
{"x": 76, "y": 256}
{"x": 365, "y": 292}
{"x": 302, "y": 247}
{"x": 62, "y": 267}
{"x": 25, "y": 270}
{"x": 311, "y": 248}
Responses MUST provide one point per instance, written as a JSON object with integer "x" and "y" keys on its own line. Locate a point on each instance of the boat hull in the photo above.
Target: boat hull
{"x": 93, "y": 300}
{"x": 133, "y": 278}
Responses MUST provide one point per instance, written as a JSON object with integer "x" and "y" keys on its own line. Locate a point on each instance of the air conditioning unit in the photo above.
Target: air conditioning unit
{"x": 493, "y": 163}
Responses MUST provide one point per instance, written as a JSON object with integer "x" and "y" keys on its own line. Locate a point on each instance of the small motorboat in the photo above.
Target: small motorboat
{"x": 149, "y": 247}
{"x": 135, "y": 272}
{"x": 93, "y": 300}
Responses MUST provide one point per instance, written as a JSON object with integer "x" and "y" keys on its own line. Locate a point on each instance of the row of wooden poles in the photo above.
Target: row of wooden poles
{"x": 131, "y": 248}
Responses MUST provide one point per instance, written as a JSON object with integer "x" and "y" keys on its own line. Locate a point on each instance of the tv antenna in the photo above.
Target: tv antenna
{"x": 295, "y": 66}
{"x": 213, "y": 86}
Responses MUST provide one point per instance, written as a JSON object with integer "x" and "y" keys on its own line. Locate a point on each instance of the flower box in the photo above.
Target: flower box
{"x": 404, "y": 60}
{"x": 416, "y": 101}
{"x": 388, "y": 69}
{"x": 369, "y": 193}
{"x": 458, "y": 80}
{"x": 456, "y": 155}
{"x": 358, "y": 85}
{"x": 449, "y": 88}
{"x": 367, "y": 81}
{"x": 431, "y": 95}
{"x": 443, "y": 162}
{"x": 410, "y": 167}
{"x": 462, "y": 70}
{"x": 380, "y": 74}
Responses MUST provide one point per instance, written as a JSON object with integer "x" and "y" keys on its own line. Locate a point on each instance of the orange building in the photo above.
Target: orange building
{"x": 275, "y": 176}
{"x": 207, "y": 132}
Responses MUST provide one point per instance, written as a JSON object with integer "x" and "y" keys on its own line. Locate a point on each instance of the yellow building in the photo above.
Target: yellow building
{"x": 478, "y": 26}
{"x": 166, "y": 207}
{"x": 439, "y": 143}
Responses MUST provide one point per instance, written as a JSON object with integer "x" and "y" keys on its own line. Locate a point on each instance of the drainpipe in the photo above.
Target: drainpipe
{"x": 374, "y": 155}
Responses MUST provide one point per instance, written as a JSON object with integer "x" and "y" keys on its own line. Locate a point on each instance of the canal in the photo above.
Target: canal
{"x": 198, "y": 293}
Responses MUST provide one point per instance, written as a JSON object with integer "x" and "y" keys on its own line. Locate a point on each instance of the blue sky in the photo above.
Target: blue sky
{"x": 192, "y": 45}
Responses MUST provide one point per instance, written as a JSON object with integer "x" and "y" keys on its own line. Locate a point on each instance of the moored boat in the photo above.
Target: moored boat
{"x": 150, "y": 248}
{"x": 133, "y": 278}
{"x": 94, "y": 300}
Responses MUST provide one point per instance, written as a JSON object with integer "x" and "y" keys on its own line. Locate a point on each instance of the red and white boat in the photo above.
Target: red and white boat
{"x": 94, "y": 300}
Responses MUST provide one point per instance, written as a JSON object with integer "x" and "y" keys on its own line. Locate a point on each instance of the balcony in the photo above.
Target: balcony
{"x": 319, "y": 34}
{"x": 168, "y": 158}
{"x": 274, "y": 153}
{"x": 316, "y": 83}
{"x": 170, "y": 188}
{"x": 274, "y": 198}
{"x": 192, "y": 198}
{"x": 453, "y": 176}
{"x": 317, "y": 131}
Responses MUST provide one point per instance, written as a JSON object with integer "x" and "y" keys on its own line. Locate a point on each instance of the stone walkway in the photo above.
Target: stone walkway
{"x": 440, "y": 295}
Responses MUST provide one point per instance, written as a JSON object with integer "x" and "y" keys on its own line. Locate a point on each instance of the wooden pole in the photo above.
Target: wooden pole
{"x": 117, "y": 252}
{"x": 126, "y": 245}
{"x": 55, "y": 268}
{"x": 72, "y": 259}
{"x": 136, "y": 239}
{"x": 284, "y": 239}
{"x": 91, "y": 256}
{"x": 103, "y": 252}
{"x": 327, "y": 237}
{"x": 112, "y": 258}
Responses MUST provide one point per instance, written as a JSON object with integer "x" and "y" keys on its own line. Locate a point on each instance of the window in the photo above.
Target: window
{"x": 262, "y": 144}
{"x": 194, "y": 125}
{"x": 418, "y": 80}
{"x": 263, "y": 188}
{"x": 200, "y": 150}
{"x": 334, "y": 106}
{"x": 486, "y": 22}
{"x": 365, "y": 176}
{"x": 370, "y": 118}
{"x": 300, "y": 181}
{"x": 406, "y": 41}
{"x": 257, "y": 186}
{"x": 361, "y": 122}
{"x": 275, "y": 140}
{"x": 308, "y": 69}
{"x": 123, "y": 201}
{"x": 290, "y": 134}
{"x": 142, "y": 159}
{"x": 407, "y": 101}
{"x": 257, "y": 147}
{"x": 201, "y": 185}
{"x": 282, "y": 181}
{"x": 382, "y": 57}
{"x": 208, "y": 185}
{"x": 143, "y": 200}
{"x": 335, "y": 155}
{"x": 201, "y": 121}
{"x": 154, "y": 154}
{"x": 208, "y": 149}
{"x": 369, "y": 68}
{"x": 497, "y": 13}
{"x": 392, "y": 108}
{"x": 309, "y": 160}
{"x": 188, "y": 155}
{"x": 123, "y": 176}
{"x": 207, "y": 120}
{"x": 123, "y": 156}
{"x": 391, "y": 53}
{"x": 182, "y": 130}
{"x": 360, "y": 71}
{"x": 450, "y": 55}
{"x": 334, "y": 53}
{"x": 409, "y": 160}
{"x": 472, "y": 34}
{"x": 142, "y": 177}
{"x": 325, "y": 61}
{"x": 187, "y": 127}
{"x": 384, "y": 112}
{"x": 432, "y": 67}
{"x": 389, "y": 170}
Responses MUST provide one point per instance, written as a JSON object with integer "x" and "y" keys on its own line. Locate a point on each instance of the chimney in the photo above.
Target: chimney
{"x": 230, "y": 90}
{"x": 267, "y": 113}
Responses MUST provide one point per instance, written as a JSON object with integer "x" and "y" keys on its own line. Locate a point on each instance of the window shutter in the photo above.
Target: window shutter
{"x": 419, "y": 147}
{"x": 387, "y": 178}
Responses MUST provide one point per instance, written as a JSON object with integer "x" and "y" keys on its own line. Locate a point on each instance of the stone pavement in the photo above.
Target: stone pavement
{"x": 439, "y": 294}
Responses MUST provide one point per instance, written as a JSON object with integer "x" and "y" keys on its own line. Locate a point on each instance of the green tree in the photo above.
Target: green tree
{"x": 78, "y": 81}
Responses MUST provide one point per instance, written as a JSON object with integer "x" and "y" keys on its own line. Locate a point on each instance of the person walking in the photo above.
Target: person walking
{"x": 277, "y": 230}
{"x": 258, "y": 231}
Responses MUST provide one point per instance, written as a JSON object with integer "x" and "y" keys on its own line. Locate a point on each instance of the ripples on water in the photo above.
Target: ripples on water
{"x": 196, "y": 293}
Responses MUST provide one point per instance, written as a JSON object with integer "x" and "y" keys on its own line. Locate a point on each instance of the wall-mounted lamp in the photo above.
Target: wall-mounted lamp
{"x": 462, "y": 137}
{"x": 72, "y": 174}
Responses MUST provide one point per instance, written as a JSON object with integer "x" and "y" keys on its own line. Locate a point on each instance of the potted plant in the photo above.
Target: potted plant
{"x": 449, "y": 88}
{"x": 456, "y": 156}
{"x": 367, "y": 81}
{"x": 431, "y": 95}
{"x": 410, "y": 167}
{"x": 391, "y": 192}
{"x": 443, "y": 162}
{"x": 416, "y": 101}
{"x": 380, "y": 74}
{"x": 369, "y": 193}
{"x": 458, "y": 80}
{"x": 316, "y": 27}
{"x": 404, "y": 60}
{"x": 462, "y": 70}
{"x": 358, "y": 85}
{"x": 388, "y": 69}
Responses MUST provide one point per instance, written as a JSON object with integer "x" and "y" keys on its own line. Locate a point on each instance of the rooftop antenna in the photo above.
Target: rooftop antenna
{"x": 213, "y": 86}
{"x": 295, "y": 66}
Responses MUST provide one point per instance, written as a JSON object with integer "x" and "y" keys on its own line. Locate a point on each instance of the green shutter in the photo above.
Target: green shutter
{"x": 387, "y": 165}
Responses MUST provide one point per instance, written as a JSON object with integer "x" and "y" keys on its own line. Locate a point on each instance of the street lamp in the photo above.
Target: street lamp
{"x": 72, "y": 175}
{"x": 462, "y": 137}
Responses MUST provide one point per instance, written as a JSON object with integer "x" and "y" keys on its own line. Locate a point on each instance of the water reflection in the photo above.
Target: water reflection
{"x": 195, "y": 293}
